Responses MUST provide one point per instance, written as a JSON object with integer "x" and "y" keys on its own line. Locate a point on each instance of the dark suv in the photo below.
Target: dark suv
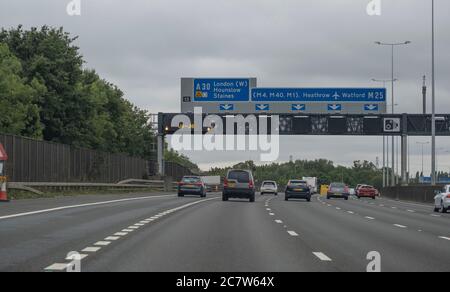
{"x": 239, "y": 184}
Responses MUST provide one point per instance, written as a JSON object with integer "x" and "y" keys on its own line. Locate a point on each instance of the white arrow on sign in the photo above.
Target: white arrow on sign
{"x": 371, "y": 107}
{"x": 262, "y": 106}
{"x": 334, "y": 107}
{"x": 226, "y": 106}
{"x": 298, "y": 106}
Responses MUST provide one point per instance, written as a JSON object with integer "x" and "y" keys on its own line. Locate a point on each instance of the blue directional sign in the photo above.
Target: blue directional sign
{"x": 226, "y": 107}
{"x": 318, "y": 94}
{"x": 334, "y": 107}
{"x": 371, "y": 107}
{"x": 262, "y": 107}
{"x": 221, "y": 90}
{"x": 298, "y": 107}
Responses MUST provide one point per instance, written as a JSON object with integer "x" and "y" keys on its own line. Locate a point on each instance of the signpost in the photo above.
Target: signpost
{"x": 242, "y": 96}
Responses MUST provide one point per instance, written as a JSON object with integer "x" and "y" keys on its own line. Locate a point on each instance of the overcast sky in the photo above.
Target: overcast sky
{"x": 145, "y": 46}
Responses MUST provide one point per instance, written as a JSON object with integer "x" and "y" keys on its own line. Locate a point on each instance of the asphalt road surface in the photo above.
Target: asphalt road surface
{"x": 161, "y": 232}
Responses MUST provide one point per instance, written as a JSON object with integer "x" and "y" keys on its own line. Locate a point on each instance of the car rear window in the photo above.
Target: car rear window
{"x": 269, "y": 184}
{"x": 298, "y": 182}
{"x": 191, "y": 179}
{"x": 240, "y": 176}
{"x": 337, "y": 185}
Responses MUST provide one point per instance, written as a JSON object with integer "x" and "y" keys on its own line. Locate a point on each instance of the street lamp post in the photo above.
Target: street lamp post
{"x": 433, "y": 109}
{"x": 392, "y": 97}
{"x": 385, "y": 144}
{"x": 423, "y": 144}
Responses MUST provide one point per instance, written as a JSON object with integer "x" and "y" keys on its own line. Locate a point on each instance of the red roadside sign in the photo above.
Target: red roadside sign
{"x": 3, "y": 155}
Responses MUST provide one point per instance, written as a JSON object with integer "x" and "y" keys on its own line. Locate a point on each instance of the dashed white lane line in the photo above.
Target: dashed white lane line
{"x": 91, "y": 249}
{"x": 443, "y": 237}
{"x": 127, "y": 230}
{"x": 393, "y": 207}
{"x": 80, "y": 206}
{"x": 370, "y": 218}
{"x": 337, "y": 208}
{"x": 272, "y": 214}
{"x": 400, "y": 226}
{"x": 120, "y": 234}
{"x": 434, "y": 215}
{"x": 322, "y": 256}
{"x": 57, "y": 267}
{"x": 139, "y": 224}
{"x": 292, "y": 233}
{"x": 411, "y": 211}
{"x": 133, "y": 227}
{"x": 102, "y": 243}
{"x": 279, "y": 221}
{"x": 81, "y": 257}
{"x": 112, "y": 238}
{"x": 268, "y": 209}
{"x": 350, "y": 212}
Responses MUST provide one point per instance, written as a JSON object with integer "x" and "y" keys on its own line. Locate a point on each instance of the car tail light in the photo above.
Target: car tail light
{"x": 198, "y": 184}
{"x": 225, "y": 183}
{"x": 250, "y": 184}
{"x": 448, "y": 196}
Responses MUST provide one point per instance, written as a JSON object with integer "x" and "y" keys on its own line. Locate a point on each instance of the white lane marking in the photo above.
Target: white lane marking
{"x": 337, "y": 208}
{"x": 139, "y": 224}
{"x": 443, "y": 237}
{"x": 80, "y": 206}
{"x": 112, "y": 238}
{"x": 127, "y": 230}
{"x": 381, "y": 205}
{"x": 272, "y": 214}
{"x": 434, "y": 215}
{"x": 292, "y": 233}
{"x": 400, "y": 226}
{"x": 411, "y": 211}
{"x": 144, "y": 222}
{"x": 268, "y": 209}
{"x": 133, "y": 227}
{"x": 91, "y": 249}
{"x": 57, "y": 267}
{"x": 82, "y": 257}
{"x": 120, "y": 233}
{"x": 329, "y": 205}
{"x": 102, "y": 243}
{"x": 322, "y": 256}
{"x": 370, "y": 218}
{"x": 394, "y": 207}
{"x": 350, "y": 212}
{"x": 279, "y": 221}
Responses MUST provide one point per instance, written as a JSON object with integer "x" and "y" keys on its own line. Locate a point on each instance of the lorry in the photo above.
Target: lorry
{"x": 312, "y": 183}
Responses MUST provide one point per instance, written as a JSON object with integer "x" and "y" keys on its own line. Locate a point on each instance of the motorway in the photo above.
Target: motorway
{"x": 161, "y": 232}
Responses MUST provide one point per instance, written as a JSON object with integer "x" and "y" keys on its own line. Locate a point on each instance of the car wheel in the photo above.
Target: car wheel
{"x": 373, "y": 198}
{"x": 328, "y": 197}
{"x": 252, "y": 199}
{"x": 224, "y": 198}
{"x": 436, "y": 209}
{"x": 286, "y": 198}
{"x": 180, "y": 195}
{"x": 262, "y": 194}
{"x": 308, "y": 199}
{"x": 346, "y": 198}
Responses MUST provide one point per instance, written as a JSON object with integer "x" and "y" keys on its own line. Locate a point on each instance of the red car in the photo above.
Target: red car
{"x": 367, "y": 192}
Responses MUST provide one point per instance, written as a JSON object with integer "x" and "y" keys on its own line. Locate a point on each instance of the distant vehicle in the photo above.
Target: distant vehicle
{"x": 269, "y": 187}
{"x": 338, "y": 190}
{"x": 239, "y": 184}
{"x": 298, "y": 189}
{"x": 191, "y": 185}
{"x": 211, "y": 182}
{"x": 442, "y": 200}
{"x": 312, "y": 183}
{"x": 366, "y": 191}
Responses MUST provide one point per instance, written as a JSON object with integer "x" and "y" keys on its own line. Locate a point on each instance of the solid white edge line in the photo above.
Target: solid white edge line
{"x": 80, "y": 206}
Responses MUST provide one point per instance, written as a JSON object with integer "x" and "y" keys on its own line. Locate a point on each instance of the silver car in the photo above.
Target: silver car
{"x": 269, "y": 187}
{"x": 442, "y": 200}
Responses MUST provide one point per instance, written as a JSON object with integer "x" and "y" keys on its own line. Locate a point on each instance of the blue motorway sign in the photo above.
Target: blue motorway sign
{"x": 298, "y": 107}
{"x": 371, "y": 107}
{"x": 334, "y": 107}
{"x": 318, "y": 94}
{"x": 226, "y": 107}
{"x": 262, "y": 107}
{"x": 221, "y": 90}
